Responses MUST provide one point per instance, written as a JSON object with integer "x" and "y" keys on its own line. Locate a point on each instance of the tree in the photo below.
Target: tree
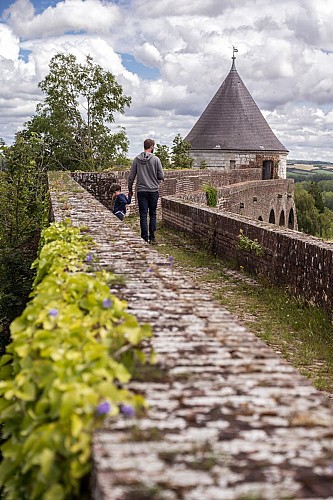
{"x": 307, "y": 213}
{"x": 2, "y": 158}
{"x": 22, "y": 194}
{"x": 73, "y": 121}
{"x": 328, "y": 199}
{"x": 22, "y": 189}
{"x": 163, "y": 153}
{"x": 326, "y": 224}
{"x": 316, "y": 193}
{"x": 310, "y": 219}
{"x": 181, "y": 153}
{"x": 325, "y": 185}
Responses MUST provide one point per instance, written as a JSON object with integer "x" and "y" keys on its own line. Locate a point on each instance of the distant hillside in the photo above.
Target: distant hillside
{"x": 315, "y": 170}
{"x": 308, "y": 162}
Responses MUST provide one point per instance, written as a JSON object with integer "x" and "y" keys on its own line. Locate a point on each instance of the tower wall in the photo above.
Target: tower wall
{"x": 233, "y": 160}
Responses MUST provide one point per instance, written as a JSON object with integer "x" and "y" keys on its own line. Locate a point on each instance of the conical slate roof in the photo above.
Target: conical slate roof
{"x": 233, "y": 121}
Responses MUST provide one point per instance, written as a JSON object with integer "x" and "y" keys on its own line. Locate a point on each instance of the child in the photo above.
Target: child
{"x": 120, "y": 201}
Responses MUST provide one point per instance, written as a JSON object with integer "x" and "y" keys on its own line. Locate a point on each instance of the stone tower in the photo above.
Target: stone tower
{"x": 232, "y": 133}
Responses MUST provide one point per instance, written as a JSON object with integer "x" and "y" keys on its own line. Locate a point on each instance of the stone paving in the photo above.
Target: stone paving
{"x": 228, "y": 418}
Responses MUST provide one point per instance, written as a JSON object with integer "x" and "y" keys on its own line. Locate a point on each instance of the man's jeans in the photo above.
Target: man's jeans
{"x": 147, "y": 202}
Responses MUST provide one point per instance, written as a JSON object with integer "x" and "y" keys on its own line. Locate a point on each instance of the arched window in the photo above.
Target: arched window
{"x": 272, "y": 217}
{"x": 260, "y": 218}
{"x": 282, "y": 220}
{"x": 291, "y": 219}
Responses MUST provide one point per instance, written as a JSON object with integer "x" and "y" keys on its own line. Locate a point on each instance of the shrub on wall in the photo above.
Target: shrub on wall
{"x": 211, "y": 195}
{"x": 245, "y": 243}
{"x": 72, "y": 349}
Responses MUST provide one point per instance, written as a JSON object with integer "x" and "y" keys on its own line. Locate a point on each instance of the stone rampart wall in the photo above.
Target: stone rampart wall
{"x": 256, "y": 199}
{"x": 227, "y": 418}
{"x": 303, "y": 264}
{"x": 176, "y": 182}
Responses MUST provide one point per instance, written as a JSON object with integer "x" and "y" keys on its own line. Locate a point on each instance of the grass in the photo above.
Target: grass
{"x": 300, "y": 333}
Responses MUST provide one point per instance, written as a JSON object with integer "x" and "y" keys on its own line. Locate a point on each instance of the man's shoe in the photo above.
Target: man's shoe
{"x": 153, "y": 242}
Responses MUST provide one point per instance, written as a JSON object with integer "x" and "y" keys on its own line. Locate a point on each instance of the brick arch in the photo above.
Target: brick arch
{"x": 291, "y": 219}
{"x": 271, "y": 219}
{"x": 282, "y": 220}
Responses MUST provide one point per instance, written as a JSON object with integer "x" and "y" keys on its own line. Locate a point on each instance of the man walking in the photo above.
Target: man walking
{"x": 148, "y": 169}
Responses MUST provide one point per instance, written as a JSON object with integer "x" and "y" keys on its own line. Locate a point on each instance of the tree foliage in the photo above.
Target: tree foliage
{"x": 326, "y": 185}
{"x": 326, "y": 224}
{"x": 328, "y": 199}
{"x": 163, "y": 153}
{"x": 309, "y": 217}
{"x": 22, "y": 196}
{"x": 179, "y": 157}
{"x": 73, "y": 121}
{"x": 70, "y": 130}
{"x": 181, "y": 153}
{"x": 314, "y": 190}
{"x": 307, "y": 213}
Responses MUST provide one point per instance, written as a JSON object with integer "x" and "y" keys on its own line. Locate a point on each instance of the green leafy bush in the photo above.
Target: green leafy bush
{"x": 245, "y": 243}
{"x": 72, "y": 349}
{"x": 211, "y": 194}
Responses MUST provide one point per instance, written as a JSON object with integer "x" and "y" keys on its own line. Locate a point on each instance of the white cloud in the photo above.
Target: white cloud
{"x": 147, "y": 54}
{"x": 285, "y": 58}
{"x": 91, "y": 16}
{"x": 9, "y": 43}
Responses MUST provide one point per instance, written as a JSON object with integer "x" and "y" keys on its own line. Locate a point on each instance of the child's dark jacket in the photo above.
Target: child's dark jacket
{"x": 119, "y": 208}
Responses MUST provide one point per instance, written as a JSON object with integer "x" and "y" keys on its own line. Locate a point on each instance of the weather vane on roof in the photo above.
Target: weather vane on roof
{"x": 233, "y": 52}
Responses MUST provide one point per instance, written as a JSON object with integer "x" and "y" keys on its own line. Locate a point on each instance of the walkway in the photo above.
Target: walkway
{"x": 228, "y": 418}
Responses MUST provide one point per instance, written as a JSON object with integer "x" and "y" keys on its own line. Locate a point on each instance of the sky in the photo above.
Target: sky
{"x": 171, "y": 56}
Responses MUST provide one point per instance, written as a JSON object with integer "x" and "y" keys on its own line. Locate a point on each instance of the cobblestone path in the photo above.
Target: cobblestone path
{"x": 228, "y": 418}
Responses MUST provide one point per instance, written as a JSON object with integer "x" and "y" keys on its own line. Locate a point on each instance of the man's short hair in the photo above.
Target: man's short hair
{"x": 148, "y": 144}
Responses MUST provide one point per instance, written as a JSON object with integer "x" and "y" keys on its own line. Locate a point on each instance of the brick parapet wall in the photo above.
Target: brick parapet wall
{"x": 176, "y": 182}
{"x": 302, "y": 264}
{"x": 228, "y": 418}
{"x": 259, "y": 198}
{"x": 254, "y": 199}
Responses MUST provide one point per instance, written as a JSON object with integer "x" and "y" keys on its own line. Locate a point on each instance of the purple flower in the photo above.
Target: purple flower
{"x": 150, "y": 270}
{"x": 127, "y": 410}
{"x": 53, "y": 312}
{"x": 103, "y": 408}
{"x": 107, "y": 303}
{"x": 89, "y": 257}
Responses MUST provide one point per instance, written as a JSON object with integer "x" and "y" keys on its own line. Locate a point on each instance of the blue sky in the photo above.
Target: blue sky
{"x": 39, "y": 6}
{"x": 171, "y": 56}
{"x": 143, "y": 71}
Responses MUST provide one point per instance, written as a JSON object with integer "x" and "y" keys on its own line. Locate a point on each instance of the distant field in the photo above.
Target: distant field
{"x": 302, "y": 167}
{"x": 310, "y": 168}
{"x": 309, "y": 172}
